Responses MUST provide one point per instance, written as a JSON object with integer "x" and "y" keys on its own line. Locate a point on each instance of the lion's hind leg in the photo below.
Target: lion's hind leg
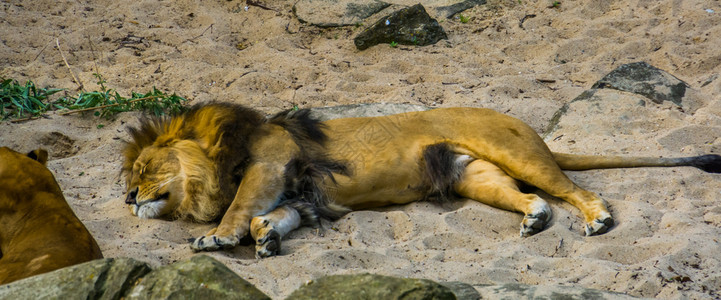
{"x": 268, "y": 230}
{"x": 485, "y": 182}
{"x": 547, "y": 176}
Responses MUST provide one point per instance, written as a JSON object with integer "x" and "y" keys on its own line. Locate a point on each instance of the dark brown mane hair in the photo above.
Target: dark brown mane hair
{"x": 304, "y": 172}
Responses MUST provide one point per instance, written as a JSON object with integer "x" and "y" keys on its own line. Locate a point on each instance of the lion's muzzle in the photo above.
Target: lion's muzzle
{"x": 132, "y": 195}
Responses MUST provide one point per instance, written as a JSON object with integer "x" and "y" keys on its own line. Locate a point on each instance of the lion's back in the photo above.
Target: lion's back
{"x": 40, "y": 232}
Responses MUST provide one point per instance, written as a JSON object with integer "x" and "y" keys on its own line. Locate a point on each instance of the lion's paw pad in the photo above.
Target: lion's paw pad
{"x": 213, "y": 242}
{"x": 599, "y": 226}
{"x": 534, "y": 223}
{"x": 268, "y": 245}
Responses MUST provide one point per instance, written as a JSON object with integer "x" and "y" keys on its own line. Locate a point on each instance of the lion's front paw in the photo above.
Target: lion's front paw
{"x": 213, "y": 243}
{"x": 268, "y": 245}
{"x": 599, "y": 226}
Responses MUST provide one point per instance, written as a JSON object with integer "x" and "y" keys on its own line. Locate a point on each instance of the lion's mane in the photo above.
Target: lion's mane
{"x": 224, "y": 134}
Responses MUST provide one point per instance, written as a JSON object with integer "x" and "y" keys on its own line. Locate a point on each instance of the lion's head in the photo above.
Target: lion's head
{"x": 165, "y": 179}
{"x": 25, "y": 172}
{"x": 184, "y": 167}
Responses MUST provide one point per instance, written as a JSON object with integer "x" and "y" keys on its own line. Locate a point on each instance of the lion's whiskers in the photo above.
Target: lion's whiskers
{"x": 167, "y": 181}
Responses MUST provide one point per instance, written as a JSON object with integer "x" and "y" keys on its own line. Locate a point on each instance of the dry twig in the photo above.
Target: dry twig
{"x": 80, "y": 85}
{"x": 204, "y": 31}
{"x": 259, "y": 4}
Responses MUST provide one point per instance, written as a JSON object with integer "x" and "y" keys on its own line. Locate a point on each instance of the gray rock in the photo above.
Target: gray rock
{"x": 333, "y": 13}
{"x": 641, "y": 79}
{"x": 644, "y": 79}
{"x": 524, "y": 291}
{"x": 363, "y": 110}
{"x": 200, "y": 277}
{"x": 462, "y": 290}
{"x": 369, "y": 286}
{"x": 99, "y": 279}
{"x": 408, "y": 26}
{"x": 611, "y": 117}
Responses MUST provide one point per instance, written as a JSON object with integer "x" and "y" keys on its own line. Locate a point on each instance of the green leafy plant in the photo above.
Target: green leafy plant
{"x": 18, "y": 99}
{"x": 394, "y": 44}
{"x": 555, "y": 4}
{"x": 108, "y": 102}
{"x": 463, "y": 18}
{"x": 415, "y": 41}
{"x": 22, "y": 100}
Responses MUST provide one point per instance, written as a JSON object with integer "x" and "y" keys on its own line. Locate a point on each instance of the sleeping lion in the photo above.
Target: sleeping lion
{"x": 268, "y": 176}
{"x": 39, "y": 232}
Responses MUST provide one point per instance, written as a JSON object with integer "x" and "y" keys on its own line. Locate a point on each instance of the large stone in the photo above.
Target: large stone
{"x": 99, "y": 279}
{"x": 644, "y": 79}
{"x": 332, "y": 13}
{"x": 408, "y": 26}
{"x": 369, "y": 286}
{"x": 462, "y": 290}
{"x": 200, "y": 277}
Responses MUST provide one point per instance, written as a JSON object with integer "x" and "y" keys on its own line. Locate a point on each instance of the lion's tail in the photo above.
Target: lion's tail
{"x": 710, "y": 163}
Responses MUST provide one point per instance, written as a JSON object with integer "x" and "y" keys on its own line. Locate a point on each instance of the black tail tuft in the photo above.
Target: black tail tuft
{"x": 710, "y": 163}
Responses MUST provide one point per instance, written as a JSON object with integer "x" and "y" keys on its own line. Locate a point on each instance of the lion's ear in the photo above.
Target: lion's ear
{"x": 40, "y": 155}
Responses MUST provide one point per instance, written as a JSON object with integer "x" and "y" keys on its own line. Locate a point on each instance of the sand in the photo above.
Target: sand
{"x": 666, "y": 243}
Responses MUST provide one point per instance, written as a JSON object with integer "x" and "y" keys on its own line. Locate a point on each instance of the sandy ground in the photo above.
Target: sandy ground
{"x": 666, "y": 243}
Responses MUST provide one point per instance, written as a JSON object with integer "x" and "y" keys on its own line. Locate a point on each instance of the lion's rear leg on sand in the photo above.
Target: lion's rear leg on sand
{"x": 495, "y": 185}
{"x": 485, "y": 182}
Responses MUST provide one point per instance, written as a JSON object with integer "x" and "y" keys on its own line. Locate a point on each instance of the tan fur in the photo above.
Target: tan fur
{"x": 39, "y": 232}
{"x": 473, "y": 153}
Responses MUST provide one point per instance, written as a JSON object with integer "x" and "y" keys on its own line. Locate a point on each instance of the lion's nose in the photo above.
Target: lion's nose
{"x": 131, "y": 196}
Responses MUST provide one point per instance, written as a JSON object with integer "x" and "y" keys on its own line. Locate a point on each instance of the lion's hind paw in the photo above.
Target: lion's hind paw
{"x": 599, "y": 226}
{"x": 213, "y": 243}
{"x": 534, "y": 223}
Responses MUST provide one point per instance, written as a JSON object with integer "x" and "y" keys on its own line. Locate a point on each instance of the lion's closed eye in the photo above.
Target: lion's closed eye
{"x": 144, "y": 168}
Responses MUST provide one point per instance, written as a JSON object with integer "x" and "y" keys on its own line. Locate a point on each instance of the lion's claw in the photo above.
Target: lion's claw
{"x": 268, "y": 245}
{"x": 599, "y": 226}
{"x": 213, "y": 243}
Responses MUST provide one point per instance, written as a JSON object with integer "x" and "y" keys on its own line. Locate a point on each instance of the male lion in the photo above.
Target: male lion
{"x": 39, "y": 232}
{"x": 224, "y": 160}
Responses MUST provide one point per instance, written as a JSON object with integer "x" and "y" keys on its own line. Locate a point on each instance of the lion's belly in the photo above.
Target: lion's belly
{"x": 392, "y": 176}
{"x": 384, "y": 163}
{"x": 374, "y": 192}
